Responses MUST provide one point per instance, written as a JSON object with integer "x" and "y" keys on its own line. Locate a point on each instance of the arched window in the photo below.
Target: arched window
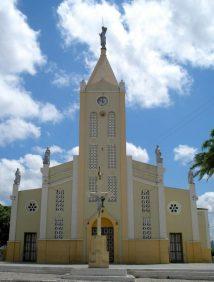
{"x": 111, "y": 124}
{"x": 93, "y": 125}
{"x": 145, "y": 200}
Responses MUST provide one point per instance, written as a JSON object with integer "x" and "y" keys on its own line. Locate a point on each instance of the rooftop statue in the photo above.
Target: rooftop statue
{"x": 190, "y": 177}
{"x": 46, "y": 158}
{"x": 159, "y": 159}
{"x": 103, "y": 37}
{"x": 17, "y": 177}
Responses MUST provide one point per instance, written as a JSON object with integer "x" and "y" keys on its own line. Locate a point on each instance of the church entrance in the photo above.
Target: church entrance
{"x": 29, "y": 247}
{"x": 176, "y": 247}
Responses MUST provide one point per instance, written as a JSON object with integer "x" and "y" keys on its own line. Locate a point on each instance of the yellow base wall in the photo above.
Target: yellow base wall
{"x": 13, "y": 251}
{"x": 60, "y": 251}
{"x": 194, "y": 252}
{"x": 145, "y": 251}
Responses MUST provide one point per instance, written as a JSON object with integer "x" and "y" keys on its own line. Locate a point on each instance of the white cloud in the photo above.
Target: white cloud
{"x": 55, "y": 149}
{"x": 155, "y": 41}
{"x": 184, "y": 154}
{"x": 20, "y": 53}
{"x": 17, "y": 129}
{"x": 137, "y": 153}
{"x": 72, "y": 109}
{"x": 207, "y": 201}
{"x": 29, "y": 166}
{"x": 71, "y": 153}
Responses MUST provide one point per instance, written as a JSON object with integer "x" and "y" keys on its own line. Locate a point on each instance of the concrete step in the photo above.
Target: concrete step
{"x": 128, "y": 278}
{"x": 174, "y": 274}
{"x": 98, "y": 272}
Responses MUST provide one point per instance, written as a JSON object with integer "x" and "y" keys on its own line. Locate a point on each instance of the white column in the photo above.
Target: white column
{"x": 194, "y": 213}
{"x": 44, "y": 201}
{"x": 161, "y": 201}
{"x": 208, "y": 245}
{"x": 130, "y": 198}
{"x": 13, "y": 216}
{"x": 74, "y": 199}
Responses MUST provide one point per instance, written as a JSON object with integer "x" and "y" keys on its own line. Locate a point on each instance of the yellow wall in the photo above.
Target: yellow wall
{"x": 60, "y": 251}
{"x": 27, "y": 222}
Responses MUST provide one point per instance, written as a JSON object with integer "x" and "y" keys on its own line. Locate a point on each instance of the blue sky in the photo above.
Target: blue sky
{"x": 163, "y": 51}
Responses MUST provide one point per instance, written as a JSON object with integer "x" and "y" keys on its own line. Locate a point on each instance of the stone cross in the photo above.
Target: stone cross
{"x": 100, "y": 198}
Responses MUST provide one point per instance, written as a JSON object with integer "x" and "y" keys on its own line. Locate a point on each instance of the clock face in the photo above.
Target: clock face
{"x": 102, "y": 101}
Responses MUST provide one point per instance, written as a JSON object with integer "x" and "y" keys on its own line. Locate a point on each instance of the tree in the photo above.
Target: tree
{"x": 4, "y": 224}
{"x": 204, "y": 161}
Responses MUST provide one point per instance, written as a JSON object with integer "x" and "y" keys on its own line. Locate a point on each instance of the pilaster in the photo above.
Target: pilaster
{"x": 193, "y": 198}
{"x": 74, "y": 199}
{"x": 13, "y": 217}
{"x": 161, "y": 201}
{"x": 44, "y": 201}
{"x": 130, "y": 202}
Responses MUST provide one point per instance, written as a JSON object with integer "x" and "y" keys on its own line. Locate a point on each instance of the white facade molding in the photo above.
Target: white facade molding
{"x": 139, "y": 179}
{"x": 74, "y": 200}
{"x": 208, "y": 244}
{"x": 44, "y": 201}
{"x": 194, "y": 214}
{"x": 161, "y": 202}
{"x": 130, "y": 197}
{"x": 61, "y": 181}
{"x": 14, "y": 208}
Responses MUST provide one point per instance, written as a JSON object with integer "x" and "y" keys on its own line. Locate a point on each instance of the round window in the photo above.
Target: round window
{"x": 31, "y": 206}
{"x": 102, "y": 101}
{"x": 174, "y": 208}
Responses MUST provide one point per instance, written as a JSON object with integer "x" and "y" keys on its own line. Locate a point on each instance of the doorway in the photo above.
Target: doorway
{"x": 30, "y": 247}
{"x": 176, "y": 247}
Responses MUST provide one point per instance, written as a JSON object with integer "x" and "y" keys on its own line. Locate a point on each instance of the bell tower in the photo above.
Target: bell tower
{"x": 102, "y": 141}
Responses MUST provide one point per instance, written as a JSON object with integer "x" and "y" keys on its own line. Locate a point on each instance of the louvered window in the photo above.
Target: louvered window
{"x": 147, "y": 229}
{"x": 92, "y": 185}
{"x": 93, "y": 125}
{"x": 111, "y": 124}
{"x": 92, "y": 156}
{"x": 111, "y": 156}
{"x": 145, "y": 200}
{"x": 60, "y": 200}
{"x": 58, "y": 228}
{"x": 112, "y": 188}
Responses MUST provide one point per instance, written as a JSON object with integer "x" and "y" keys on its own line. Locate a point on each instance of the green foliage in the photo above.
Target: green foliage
{"x": 4, "y": 224}
{"x": 204, "y": 161}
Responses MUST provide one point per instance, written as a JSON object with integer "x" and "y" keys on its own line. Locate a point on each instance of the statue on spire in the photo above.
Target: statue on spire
{"x": 17, "y": 177}
{"x": 46, "y": 158}
{"x": 190, "y": 177}
{"x": 103, "y": 37}
{"x": 158, "y": 154}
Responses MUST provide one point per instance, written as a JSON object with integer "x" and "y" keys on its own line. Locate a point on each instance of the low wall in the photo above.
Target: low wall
{"x": 194, "y": 252}
{"x": 145, "y": 251}
{"x": 60, "y": 251}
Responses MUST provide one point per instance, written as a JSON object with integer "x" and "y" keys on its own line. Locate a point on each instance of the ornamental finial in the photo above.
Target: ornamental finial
{"x": 46, "y": 158}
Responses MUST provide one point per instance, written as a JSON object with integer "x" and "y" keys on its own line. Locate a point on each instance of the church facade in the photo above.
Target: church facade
{"x": 144, "y": 221}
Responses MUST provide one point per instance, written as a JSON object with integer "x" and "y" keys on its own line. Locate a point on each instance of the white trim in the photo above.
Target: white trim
{"x": 207, "y": 229}
{"x": 161, "y": 201}
{"x": 194, "y": 213}
{"x": 74, "y": 199}
{"x": 130, "y": 202}
{"x": 44, "y": 202}
{"x": 13, "y": 217}
{"x": 59, "y": 182}
{"x": 153, "y": 183}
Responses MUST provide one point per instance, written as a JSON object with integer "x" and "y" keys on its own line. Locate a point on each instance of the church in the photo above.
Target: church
{"x": 144, "y": 221}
